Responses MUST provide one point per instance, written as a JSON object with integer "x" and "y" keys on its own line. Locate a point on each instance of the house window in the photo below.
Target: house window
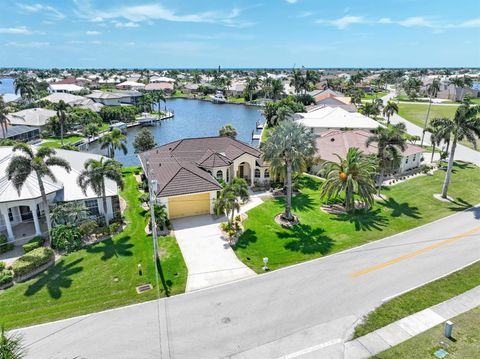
{"x": 414, "y": 157}
{"x": 257, "y": 173}
{"x": 92, "y": 207}
{"x": 219, "y": 175}
{"x": 267, "y": 173}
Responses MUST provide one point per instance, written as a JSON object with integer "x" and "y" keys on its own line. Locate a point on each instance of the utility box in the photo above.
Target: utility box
{"x": 448, "y": 330}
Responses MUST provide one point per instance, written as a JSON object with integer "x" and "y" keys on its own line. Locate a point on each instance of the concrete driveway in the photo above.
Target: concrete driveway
{"x": 210, "y": 259}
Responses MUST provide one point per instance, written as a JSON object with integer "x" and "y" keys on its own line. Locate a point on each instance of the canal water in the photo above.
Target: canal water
{"x": 193, "y": 118}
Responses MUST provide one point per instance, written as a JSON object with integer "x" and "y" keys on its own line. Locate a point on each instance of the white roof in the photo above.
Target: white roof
{"x": 161, "y": 79}
{"x": 74, "y": 100}
{"x": 131, "y": 84}
{"x": 66, "y": 87}
{"x": 65, "y": 180}
{"x": 335, "y": 117}
{"x": 31, "y": 117}
{"x": 10, "y": 97}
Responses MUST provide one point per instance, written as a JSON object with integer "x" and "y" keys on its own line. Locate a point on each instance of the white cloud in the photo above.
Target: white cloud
{"x": 305, "y": 14}
{"x": 292, "y": 1}
{"x": 343, "y": 22}
{"x": 469, "y": 23}
{"x": 35, "y": 8}
{"x": 31, "y": 44}
{"x": 125, "y": 24}
{"x": 93, "y": 33}
{"x": 419, "y": 21}
{"x": 20, "y": 30}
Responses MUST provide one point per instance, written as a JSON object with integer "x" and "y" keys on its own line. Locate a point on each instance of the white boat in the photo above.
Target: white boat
{"x": 219, "y": 98}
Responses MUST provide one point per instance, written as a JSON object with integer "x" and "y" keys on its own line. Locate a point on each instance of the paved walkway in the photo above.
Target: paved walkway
{"x": 408, "y": 327}
{"x": 209, "y": 258}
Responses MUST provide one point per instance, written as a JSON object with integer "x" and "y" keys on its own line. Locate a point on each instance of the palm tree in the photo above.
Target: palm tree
{"x": 39, "y": 163}
{"x": 4, "y": 121}
{"x": 389, "y": 109}
{"x": 465, "y": 125}
{"x": 390, "y": 142}
{"x": 251, "y": 87}
{"x": 112, "y": 141}
{"x": 311, "y": 78}
{"x": 432, "y": 91}
{"x": 25, "y": 87}
{"x": 435, "y": 139}
{"x": 370, "y": 109}
{"x": 230, "y": 198}
{"x": 158, "y": 97}
{"x": 228, "y": 131}
{"x": 146, "y": 102}
{"x": 276, "y": 87}
{"x": 288, "y": 147}
{"x": 161, "y": 217}
{"x": 352, "y": 175}
{"x": 297, "y": 81}
{"x": 283, "y": 113}
{"x": 11, "y": 346}
{"x": 94, "y": 174}
{"x": 61, "y": 107}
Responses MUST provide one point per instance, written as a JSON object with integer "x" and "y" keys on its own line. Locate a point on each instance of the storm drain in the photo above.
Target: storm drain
{"x": 144, "y": 288}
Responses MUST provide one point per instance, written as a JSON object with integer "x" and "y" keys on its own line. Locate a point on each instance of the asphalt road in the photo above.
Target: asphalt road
{"x": 305, "y": 311}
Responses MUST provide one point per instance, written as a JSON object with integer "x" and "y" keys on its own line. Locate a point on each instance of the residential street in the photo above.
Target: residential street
{"x": 304, "y": 311}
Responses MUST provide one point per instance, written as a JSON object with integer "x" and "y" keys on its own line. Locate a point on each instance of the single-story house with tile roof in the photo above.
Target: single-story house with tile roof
{"x": 336, "y": 142}
{"x": 23, "y": 213}
{"x": 189, "y": 171}
{"x": 74, "y": 100}
{"x": 130, "y": 85}
{"x": 117, "y": 98}
{"x": 155, "y": 86}
{"x": 33, "y": 117}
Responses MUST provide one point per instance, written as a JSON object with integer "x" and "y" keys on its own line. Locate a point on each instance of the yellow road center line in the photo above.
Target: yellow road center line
{"x": 413, "y": 254}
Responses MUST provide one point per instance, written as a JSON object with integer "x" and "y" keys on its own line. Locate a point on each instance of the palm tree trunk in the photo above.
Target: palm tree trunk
{"x": 104, "y": 199}
{"x": 288, "y": 202}
{"x": 380, "y": 180}
{"x": 233, "y": 215}
{"x": 61, "y": 131}
{"x": 449, "y": 169}
{"x": 433, "y": 152}
{"x": 46, "y": 209}
{"x": 426, "y": 120}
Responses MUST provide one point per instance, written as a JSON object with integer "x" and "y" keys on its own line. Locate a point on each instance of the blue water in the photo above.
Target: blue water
{"x": 7, "y": 85}
{"x": 193, "y": 118}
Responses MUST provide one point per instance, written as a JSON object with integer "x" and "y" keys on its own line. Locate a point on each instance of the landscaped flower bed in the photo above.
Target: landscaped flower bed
{"x": 31, "y": 262}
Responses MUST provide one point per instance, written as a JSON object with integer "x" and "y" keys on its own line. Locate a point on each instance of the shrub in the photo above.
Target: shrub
{"x": 33, "y": 243}
{"x": 113, "y": 227}
{"x": 6, "y": 277}
{"x": 87, "y": 228}
{"x": 5, "y": 246}
{"x": 2, "y": 266}
{"x": 32, "y": 260}
{"x": 66, "y": 238}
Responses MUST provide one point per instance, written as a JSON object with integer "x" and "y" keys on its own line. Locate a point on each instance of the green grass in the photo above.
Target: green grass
{"x": 55, "y": 142}
{"x": 421, "y": 298}
{"x": 320, "y": 233}
{"x": 236, "y": 100}
{"x": 368, "y": 97}
{"x": 265, "y": 133}
{"x": 83, "y": 282}
{"x": 466, "y": 343}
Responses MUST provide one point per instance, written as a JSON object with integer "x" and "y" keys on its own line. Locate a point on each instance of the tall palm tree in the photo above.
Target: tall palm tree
{"x": 4, "y": 121}
{"x": 158, "y": 97}
{"x": 465, "y": 125}
{"x": 276, "y": 88}
{"x": 231, "y": 196}
{"x": 112, "y": 141}
{"x": 94, "y": 174}
{"x": 389, "y": 109}
{"x": 25, "y": 87}
{"x": 61, "y": 107}
{"x": 146, "y": 102}
{"x": 297, "y": 81}
{"x": 435, "y": 139}
{"x": 432, "y": 91}
{"x": 352, "y": 175}
{"x": 391, "y": 143}
{"x": 41, "y": 164}
{"x": 251, "y": 87}
{"x": 289, "y": 147}
{"x": 311, "y": 78}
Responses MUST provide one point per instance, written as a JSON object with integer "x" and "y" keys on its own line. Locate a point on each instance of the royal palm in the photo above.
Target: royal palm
{"x": 432, "y": 91}
{"x": 389, "y": 109}
{"x": 61, "y": 107}
{"x": 114, "y": 140}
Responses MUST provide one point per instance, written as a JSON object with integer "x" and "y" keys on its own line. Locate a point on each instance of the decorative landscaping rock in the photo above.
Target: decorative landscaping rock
{"x": 279, "y": 219}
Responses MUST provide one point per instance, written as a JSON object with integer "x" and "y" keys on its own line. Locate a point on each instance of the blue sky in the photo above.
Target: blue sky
{"x": 258, "y": 33}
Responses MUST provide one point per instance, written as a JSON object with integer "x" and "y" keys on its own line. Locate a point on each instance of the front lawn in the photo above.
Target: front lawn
{"x": 99, "y": 277}
{"x": 55, "y": 142}
{"x": 416, "y": 112}
{"x": 371, "y": 96}
{"x": 465, "y": 343}
{"x": 410, "y": 204}
{"x": 420, "y": 298}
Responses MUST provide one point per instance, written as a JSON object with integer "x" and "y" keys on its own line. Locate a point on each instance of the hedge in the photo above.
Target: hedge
{"x": 32, "y": 260}
{"x": 5, "y": 246}
{"x": 6, "y": 277}
{"x": 35, "y": 242}
{"x": 2, "y": 266}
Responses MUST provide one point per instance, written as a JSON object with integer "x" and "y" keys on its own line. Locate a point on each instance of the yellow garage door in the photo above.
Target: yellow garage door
{"x": 190, "y": 205}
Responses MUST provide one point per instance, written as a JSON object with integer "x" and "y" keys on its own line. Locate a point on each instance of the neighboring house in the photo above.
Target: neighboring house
{"x": 72, "y": 81}
{"x": 21, "y": 133}
{"x": 155, "y": 86}
{"x": 188, "y": 171}
{"x": 130, "y": 85}
{"x": 161, "y": 79}
{"x": 33, "y": 117}
{"x": 74, "y": 101}
{"x": 451, "y": 92}
{"x": 328, "y": 118}
{"x": 115, "y": 98}
{"x": 338, "y": 142}
{"x": 236, "y": 89}
{"x": 319, "y": 95}
{"x": 23, "y": 213}
{"x": 10, "y": 97}
{"x": 334, "y": 102}
{"x": 190, "y": 88}
{"x": 64, "y": 88}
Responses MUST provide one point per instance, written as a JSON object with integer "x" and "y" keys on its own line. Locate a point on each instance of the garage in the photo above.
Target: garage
{"x": 189, "y": 205}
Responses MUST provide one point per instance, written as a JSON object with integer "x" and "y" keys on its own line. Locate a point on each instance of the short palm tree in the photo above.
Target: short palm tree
{"x": 228, "y": 131}
{"x": 61, "y": 107}
{"x": 465, "y": 125}
{"x": 94, "y": 174}
{"x": 351, "y": 176}
{"x": 11, "y": 346}
{"x": 389, "y": 109}
{"x": 4, "y": 121}
{"x": 41, "y": 164}
{"x": 231, "y": 197}
{"x": 391, "y": 143}
{"x": 25, "y": 87}
{"x": 370, "y": 109}
{"x": 288, "y": 148}
{"x": 161, "y": 217}
{"x": 112, "y": 141}
{"x": 276, "y": 88}
{"x": 283, "y": 113}
{"x": 146, "y": 102}
{"x": 432, "y": 91}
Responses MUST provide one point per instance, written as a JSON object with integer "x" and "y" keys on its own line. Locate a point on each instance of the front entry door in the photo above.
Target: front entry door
{"x": 25, "y": 213}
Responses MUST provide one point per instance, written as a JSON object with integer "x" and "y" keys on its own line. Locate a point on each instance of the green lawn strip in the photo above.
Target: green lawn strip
{"x": 265, "y": 133}
{"x": 85, "y": 281}
{"x": 466, "y": 343}
{"x": 320, "y": 233}
{"x": 236, "y": 100}
{"x": 421, "y": 298}
{"x": 55, "y": 142}
{"x": 374, "y": 96}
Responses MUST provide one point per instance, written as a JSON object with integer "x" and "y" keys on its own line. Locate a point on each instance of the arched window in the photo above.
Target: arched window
{"x": 219, "y": 175}
{"x": 257, "y": 173}
{"x": 266, "y": 173}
